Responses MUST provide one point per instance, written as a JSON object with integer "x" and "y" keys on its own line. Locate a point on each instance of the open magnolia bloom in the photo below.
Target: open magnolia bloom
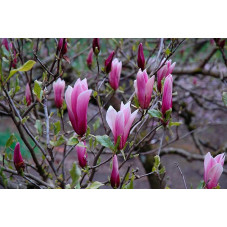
{"x": 120, "y": 122}
{"x": 213, "y": 168}
{"x": 77, "y": 99}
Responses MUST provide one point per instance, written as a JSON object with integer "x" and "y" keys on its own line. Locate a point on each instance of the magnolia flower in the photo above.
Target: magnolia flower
{"x": 115, "y": 178}
{"x": 59, "y": 87}
{"x": 140, "y": 58}
{"x": 108, "y": 62}
{"x": 115, "y": 74}
{"x": 62, "y": 46}
{"x": 28, "y": 94}
{"x": 144, "y": 88}
{"x": 167, "y": 95}
{"x": 82, "y": 155}
{"x": 164, "y": 71}
{"x": 89, "y": 58}
{"x": 120, "y": 122}
{"x": 17, "y": 159}
{"x": 213, "y": 168}
{"x": 96, "y": 46}
{"x": 77, "y": 99}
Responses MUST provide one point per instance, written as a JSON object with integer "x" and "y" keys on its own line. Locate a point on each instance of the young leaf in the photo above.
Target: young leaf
{"x": 38, "y": 126}
{"x": 174, "y": 123}
{"x": 105, "y": 141}
{"x": 75, "y": 174}
{"x": 58, "y": 142}
{"x": 38, "y": 90}
{"x": 94, "y": 185}
{"x": 24, "y": 68}
{"x": 155, "y": 113}
{"x": 72, "y": 141}
{"x": 10, "y": 141}
{"x": 57, "y": 127}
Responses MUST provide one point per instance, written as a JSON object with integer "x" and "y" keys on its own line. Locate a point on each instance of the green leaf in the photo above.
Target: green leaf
{"x": 123, "y": 154}
{"x": 38, "y": 126}
{"x": 201, "y": 185}
{"x": 105, "y": 141}
{"x": 75, "y": 174}
{"x": 96, "y": 124}
{"x": 156, "y": 163}
{"x": 224, "y": 98}
{"x": 168, "y": 114}
{"x": 58, "y": 142}
{"x": 24, "y": 68}
{"x": 38, "y": 90}
{"x": 155, "y": 113}
{"x": 94, "y": 185}
{"x": 130, "y": 184}
{"x": 174, "y": 123}
{"x": 57, "y": 127}
{"x": 167, "y": 52}
{"x": 11, "y": 139}
{"x": 24, "y": 119}
{"x": 72, "y": 141}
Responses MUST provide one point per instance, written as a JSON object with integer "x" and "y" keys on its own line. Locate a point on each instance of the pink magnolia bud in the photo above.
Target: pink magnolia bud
{"x": 62, "y": 46}
{"x": 164, "y": 71}
{"x": 5, "y": 43}
{"x": 89, "y": 58}
{"x": 82, "y": 155}
{"x": 167, "y": 94}
{"x": 14, "y": 61}
{"x": 120, "y": 122}
{"x": 144, "y": 88}
{"x": 108, "y": 62}
{"x": 17, "y": 159}
{"x": 213, "y": 168}
{"x": 115, "y": 178}
{"x": 115, "y": 73}
{"x": 77, "y": 99}
{"x": 59, "y": 87}
{"x": 140, "y": 58}
{"x": 96, "y": 46}
{"x": 28, "y": 94}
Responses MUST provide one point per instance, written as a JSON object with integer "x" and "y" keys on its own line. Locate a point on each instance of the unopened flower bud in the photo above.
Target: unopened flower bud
{"x": 108, "y": 62}
{"x": 17, "y": 159}
{"x": 96, "y": 46}
{"x": 140, "y": 58}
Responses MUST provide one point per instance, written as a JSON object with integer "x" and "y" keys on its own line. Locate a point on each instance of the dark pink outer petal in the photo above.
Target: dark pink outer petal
{"x": 28, "y": 94}
{"x": 115, "y": 178}
{"x": 17, "y": 158}
{"x": 128, "y": 127}
{"x": 148, "y": 91}
{"x": 167, "y": 94}
{"x": 119, "y": 127}
{"x": 82, "y": 105}
{"x": 141, "y": 87}
{"x": 82, "y": 155}
{"x": 213, "y": 176}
